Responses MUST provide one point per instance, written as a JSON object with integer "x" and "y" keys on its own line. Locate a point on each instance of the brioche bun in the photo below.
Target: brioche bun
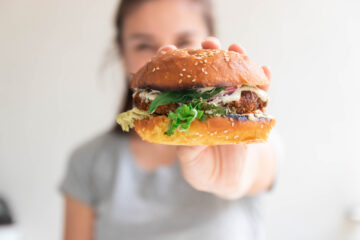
{"x": 214, "y": 131}
{"x": 188, "y": 68}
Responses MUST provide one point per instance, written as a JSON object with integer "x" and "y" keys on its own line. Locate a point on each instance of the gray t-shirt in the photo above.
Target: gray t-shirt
{"x": 131, "y": 203}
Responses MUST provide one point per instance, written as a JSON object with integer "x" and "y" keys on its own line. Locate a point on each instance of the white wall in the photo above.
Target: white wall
{"x": 313, "y": 48}
{"x": 53, "y": 96}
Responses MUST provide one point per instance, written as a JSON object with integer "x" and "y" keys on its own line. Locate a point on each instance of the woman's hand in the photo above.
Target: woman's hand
{"x": 229, "y": 171}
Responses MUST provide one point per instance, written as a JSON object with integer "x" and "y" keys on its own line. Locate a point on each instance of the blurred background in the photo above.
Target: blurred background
{"x": 59, "y": 86}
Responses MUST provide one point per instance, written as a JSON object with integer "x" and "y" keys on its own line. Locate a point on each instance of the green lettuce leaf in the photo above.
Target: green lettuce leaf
{"x": 184, "y": 115}
{"x": 183, "y": 96}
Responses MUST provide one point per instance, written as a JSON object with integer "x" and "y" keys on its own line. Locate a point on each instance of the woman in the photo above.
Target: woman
{"x": 120, "y": 187}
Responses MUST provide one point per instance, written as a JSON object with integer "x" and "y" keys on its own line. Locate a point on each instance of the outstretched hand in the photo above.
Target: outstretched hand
{"x": 229, "y": 171}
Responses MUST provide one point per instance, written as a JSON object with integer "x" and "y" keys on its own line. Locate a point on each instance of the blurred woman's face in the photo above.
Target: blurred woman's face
{"x": 159, "y": 22}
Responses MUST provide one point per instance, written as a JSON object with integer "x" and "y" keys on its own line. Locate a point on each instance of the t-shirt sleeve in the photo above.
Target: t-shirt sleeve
{"x": 78, "y": 182}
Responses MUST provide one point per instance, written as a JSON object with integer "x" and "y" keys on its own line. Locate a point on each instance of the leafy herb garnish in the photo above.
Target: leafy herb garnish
{"x": 211, "y": 110}
{"x": 194, "y": 106}
{"x": 183, "y": 96}
{"x": 184, "y": 115}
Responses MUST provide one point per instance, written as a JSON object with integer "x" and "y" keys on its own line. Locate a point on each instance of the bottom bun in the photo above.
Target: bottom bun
{"x": 214, "y": 131}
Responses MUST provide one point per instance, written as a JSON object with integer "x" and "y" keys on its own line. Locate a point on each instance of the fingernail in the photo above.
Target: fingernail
{"x": 166, "y": 48}
{"x": 211, "y": 38}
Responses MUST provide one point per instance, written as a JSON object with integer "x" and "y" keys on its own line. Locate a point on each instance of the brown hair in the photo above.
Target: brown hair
{"x": 125, "y": 8}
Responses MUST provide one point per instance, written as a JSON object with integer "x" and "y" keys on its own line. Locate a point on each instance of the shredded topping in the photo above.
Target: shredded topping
{"x": 126, "y": 119}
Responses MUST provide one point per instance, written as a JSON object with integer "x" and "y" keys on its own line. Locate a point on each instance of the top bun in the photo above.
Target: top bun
{"x": 189, "y": 68}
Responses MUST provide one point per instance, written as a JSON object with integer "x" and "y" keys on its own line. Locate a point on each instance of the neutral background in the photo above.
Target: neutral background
{"x": 60, "y": 85}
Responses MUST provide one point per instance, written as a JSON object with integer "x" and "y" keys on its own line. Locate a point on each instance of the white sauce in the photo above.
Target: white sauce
{"x": 205, "y": 89}
{"x": 258, "y": 114}
{"x": 236, "y": 95}
{"x": 147, "y": 95}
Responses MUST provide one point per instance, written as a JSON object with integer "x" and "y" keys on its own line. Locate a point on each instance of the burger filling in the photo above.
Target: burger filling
{"x": 183, "y": 107}
{"x": 240, "y": 101}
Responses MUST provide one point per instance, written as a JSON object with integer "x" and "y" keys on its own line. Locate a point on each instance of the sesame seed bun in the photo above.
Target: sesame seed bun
{"x": 188, "y": 68}
{"x": 214, "y": 131}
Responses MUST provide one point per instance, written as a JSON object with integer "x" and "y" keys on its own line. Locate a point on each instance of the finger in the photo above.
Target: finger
{"x": 188, "y": 153}
{"x": 237, "y": 48}
{"x": 166, "y": 48}
{"x": 211, "y": 43}
{"x": 267, "y": 72}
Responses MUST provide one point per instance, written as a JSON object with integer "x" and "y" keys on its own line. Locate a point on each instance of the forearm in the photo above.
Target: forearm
{"x": 79, "y": 220}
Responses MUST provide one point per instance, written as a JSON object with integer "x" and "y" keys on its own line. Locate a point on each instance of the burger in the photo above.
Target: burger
{"x": 199, "y": 97}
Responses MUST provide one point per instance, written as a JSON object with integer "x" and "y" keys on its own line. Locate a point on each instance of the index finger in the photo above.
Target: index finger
{"x": 239, "y": 49}
{"x": 211, "y": 43}
{"x": 166, "y": 48}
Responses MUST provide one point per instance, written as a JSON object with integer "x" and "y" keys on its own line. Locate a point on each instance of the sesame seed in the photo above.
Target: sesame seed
{"x": 201, "y": 62}
{"x": 184, "y": 69}
{"x": 262, "y": 126}
{"x": 194, "y": 80}
{"x": 226, "y": 57}
{"x": 232, "y": 124}
{"x": 236, "y": 136}
{"x": 215, "y": 132}
{"x": 189, "y": 76}
{"x": 200, "y": 135}
{"x": 158, "y": 68}
{"x": 180, "y": 81}
{"x": 154, "y": 69}
{"x": 181, "y": 74}
{"x": 206, "y": 73}
{"x": 205, "y": 60}
{"x": 227, "y": 137}
{"x": 225, "y": 131}
{"x": 203, "y": 69}
{"x": 211, "y": 134}
{"x": 196, "y": 63}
